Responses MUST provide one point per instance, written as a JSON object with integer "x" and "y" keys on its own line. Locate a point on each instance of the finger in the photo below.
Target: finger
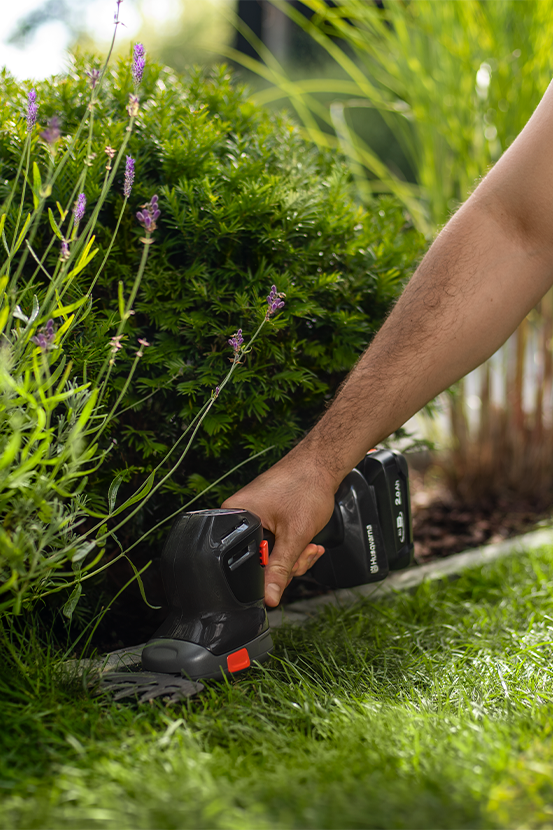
{"x": 279, "y": 570}
{"x": 307, "y": 559}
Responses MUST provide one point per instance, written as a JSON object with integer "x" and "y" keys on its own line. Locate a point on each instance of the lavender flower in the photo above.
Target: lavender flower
{"x": 138, "y": 64}
{"x": 143, "y": 345}
{"x": 133, "y": 107}
{"x": 110, "y": 153}
{"x": 32, "y": 110}
{"x": 93, "y": 77}
{"x": 52, "y": 132}
{"x": 64, "y": 254}
{"x": 129, "y": 177}
{"x": 45, "y": 337}
{"x": 115, "y": 345}
{"x": 149, "y": 215}
{"x": 236, "y": 341}
{"x": 274, "y": 301}
{"x": 78, "y": 210}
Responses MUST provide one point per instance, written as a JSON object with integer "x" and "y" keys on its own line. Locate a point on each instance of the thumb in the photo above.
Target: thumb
{"x": 279, "y": 570}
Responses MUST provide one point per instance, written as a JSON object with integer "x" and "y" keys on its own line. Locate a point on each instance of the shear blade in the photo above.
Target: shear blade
{"x": 146, "y": 686}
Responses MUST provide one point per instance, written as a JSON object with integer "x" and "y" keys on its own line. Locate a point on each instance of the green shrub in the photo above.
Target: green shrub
{"x": 246, "y": 203}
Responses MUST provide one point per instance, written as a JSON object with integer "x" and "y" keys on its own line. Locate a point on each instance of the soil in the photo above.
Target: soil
{"x": 443, "y": 525}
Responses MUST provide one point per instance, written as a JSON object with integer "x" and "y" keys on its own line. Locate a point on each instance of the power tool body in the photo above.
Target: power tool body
{"x": 213, "y": 566}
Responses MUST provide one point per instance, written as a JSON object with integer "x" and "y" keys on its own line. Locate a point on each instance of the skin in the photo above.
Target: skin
{"x": 485, "y": 271}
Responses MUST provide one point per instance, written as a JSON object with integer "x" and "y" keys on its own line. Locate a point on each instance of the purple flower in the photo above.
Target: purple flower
{"x": 52, "y": 132}
{"x": 129, "y": 177}
{"x": 78, "y": 210}
{"x": 93, "y": 77}
{"x": 32, "y": 110}
{"x": 149, "y": 215}
{"x": 138, "y": 64}
{"x": 236, "y": 341}
{"x": 274, "y": 301}
{"x": 64, "y": 254}
{"x": 45, "y": 337}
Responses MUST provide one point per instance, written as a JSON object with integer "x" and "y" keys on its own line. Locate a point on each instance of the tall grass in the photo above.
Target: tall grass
{"x": 455, "y": 82}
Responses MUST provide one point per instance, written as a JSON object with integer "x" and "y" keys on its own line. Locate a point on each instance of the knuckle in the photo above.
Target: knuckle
{"x": 279, "y": 569}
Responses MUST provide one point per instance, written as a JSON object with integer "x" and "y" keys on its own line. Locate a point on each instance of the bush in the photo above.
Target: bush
{"x": 246, "y": 202}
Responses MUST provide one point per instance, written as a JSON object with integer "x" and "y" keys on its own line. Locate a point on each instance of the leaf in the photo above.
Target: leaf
{"x": 84, "y": 259}
{"x": 21, "y": 236}
{"x": 102, "y": 531}
{"x": 140, "y": 494}
{"x": 82, "y": 552}
{"x": 64, "y": 311}
{"x": 4, "y": 314}
{"x": 10, "y": 450}
{"x": 36, "y": 309}
{"x": 121, "y": 299}
{"x": 71, "y": 603}
{"x": 37, "y": 184}
{"x": 19, "y": 314}
{"x": 113, "y": 489}
{"x": 63, "y": 213}
{"x": 2, "y": 222}
{"x": 54, "y": 224}
{"x": 140, "y": 583}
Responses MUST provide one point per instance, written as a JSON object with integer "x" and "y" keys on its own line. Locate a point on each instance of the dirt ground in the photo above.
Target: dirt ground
{"x": 443, "y": 525}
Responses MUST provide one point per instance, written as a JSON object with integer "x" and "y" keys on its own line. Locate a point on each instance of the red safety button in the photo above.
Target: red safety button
{"x": 238, "y": 660}
{"x": 264, "y": 552}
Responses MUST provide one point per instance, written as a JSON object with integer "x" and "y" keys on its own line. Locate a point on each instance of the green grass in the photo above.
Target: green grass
{"x": 431, "y": 709}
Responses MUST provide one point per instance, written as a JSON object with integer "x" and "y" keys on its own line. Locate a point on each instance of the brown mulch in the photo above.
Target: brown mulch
{"x": 444, "y": 525}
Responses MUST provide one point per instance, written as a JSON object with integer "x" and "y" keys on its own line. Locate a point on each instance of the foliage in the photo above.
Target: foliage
{"x": 54, "y": 413}
{"x": 455, "y": 82}
{"x": 246, "y": 203}
{"x": 429, "y": 708}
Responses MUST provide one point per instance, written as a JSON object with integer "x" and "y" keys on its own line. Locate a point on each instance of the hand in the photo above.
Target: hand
{"x": 294, "y": 500}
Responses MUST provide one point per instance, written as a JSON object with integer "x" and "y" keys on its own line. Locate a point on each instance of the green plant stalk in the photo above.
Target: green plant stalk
{"x": 27, "y": 155}
{"x": 110, "y": 246}
{"x": 7, "y": 204}
{"x": 108, "y": 363}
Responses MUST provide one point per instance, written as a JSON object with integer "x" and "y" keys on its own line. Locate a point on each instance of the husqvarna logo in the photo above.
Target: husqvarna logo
{"x": 373, "y": 567}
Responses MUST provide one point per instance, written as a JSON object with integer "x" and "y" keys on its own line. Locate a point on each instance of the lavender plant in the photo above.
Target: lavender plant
{"x": 53, "y": 419}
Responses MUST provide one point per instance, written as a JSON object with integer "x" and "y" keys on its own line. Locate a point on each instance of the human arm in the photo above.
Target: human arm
{"x": 484, "y": 272}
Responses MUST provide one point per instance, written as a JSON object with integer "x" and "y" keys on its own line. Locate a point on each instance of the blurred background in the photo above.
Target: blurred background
{"x": 35, "y": 35}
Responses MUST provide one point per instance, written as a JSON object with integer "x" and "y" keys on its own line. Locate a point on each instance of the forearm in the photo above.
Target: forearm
{"x": 480, "y": 278}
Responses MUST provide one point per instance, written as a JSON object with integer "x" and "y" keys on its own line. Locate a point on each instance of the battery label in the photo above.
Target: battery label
{"x": 400, "y": 524}
{"x": 397, "y": 489}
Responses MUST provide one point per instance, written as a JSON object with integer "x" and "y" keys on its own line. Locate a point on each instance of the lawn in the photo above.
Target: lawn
{"x": 426, "y": 709}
